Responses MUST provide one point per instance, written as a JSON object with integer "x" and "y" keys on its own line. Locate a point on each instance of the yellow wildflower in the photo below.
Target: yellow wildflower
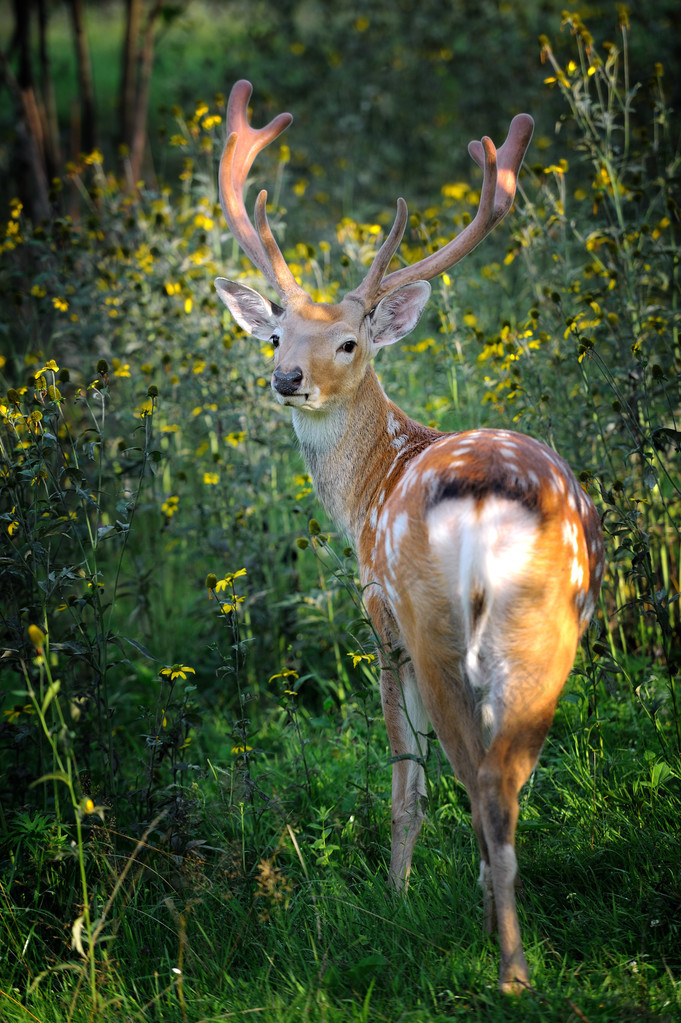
{"x": 173, "y": 671}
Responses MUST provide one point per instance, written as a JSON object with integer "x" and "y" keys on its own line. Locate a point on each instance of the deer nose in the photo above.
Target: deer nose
{"x": 287, "y": 382}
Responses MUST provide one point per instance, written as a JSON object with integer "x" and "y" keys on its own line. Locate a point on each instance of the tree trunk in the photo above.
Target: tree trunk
{"x": 126, "y": 109}
{"x": 87, "y": 95}
{"x": 50, "y": 125}
{"x": 31, "y": 174}
{"x": 139, "y": 127}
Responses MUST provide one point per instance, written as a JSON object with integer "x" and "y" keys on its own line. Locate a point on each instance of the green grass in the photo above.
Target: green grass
{"x": 256, "y": 922}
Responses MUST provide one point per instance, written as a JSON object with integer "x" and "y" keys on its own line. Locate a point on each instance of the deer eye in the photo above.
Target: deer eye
{"x": 348, "y": 346}
{"x": 274, "y": 340}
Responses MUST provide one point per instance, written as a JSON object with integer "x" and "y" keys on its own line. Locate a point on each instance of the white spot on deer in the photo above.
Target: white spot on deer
{"x": 393, "y": 595}
{"x": 385, "y": 540}
{"x": 589, "y": 606}
{"x": 400, "y": 527}
{"x": 399, "y": 442}
{"x": 584, "y": 605}
{"x": 393, "y": 424}
{"x": 391, "y": 539}
{"x": 570, "y": 535}
{"x": 533, "y": 478}
{"x": 577, "y": 572}
{"x": 557, "y": 483}
{"x": 395, "y": 463}
{"x": 410, "y": 477}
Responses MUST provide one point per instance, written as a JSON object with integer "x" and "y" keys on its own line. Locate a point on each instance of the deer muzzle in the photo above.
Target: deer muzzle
{"x": 287, "y": 382}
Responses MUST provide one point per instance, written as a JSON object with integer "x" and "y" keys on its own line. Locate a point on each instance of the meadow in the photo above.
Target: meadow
{"x": 194, "y": 798}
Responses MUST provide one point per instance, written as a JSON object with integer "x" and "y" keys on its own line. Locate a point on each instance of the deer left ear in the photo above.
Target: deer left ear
{"x": 397, "y": 314}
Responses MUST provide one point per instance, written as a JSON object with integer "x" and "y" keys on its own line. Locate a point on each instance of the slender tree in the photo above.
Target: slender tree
{"x": 133, "y": 21}
{"x": 88, "y": 133}
{"x": 49, "y": 104}
{"x": 138, "y": 138}
{"x": 30, "y": 148}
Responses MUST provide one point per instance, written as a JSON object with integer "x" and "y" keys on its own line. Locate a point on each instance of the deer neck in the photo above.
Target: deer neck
{"x": 356, "y": 452}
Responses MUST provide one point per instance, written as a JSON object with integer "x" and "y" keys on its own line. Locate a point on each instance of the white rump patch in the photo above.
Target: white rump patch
{"x": 484, "y": 545}
{"x": 484, "y": 550}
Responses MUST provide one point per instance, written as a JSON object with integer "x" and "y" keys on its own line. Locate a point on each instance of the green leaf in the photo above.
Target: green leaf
{"x": 52, "y": 691}
{"x": 52, "y": 776}
{"x": 136, "y": 644}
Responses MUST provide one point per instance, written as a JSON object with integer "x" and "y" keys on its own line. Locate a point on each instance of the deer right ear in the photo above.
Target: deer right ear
{"x": 251, "y": 311}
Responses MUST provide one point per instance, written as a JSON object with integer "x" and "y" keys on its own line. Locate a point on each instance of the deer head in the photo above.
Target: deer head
{"x": 322, "y": 351}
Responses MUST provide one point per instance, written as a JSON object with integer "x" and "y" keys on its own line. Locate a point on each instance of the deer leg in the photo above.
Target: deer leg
{"x": 489, "y": 916}
{"x": 525, "y": 706}
{"x": 504, "y": 770}
{"x": 407, "y": 725}
{"x": 492, "y": 779}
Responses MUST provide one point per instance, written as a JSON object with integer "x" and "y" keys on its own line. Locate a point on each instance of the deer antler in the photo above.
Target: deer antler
{"x": 500, "y": 169}
{"x": 500, "y": 173}
{"x": 241, "y": 148}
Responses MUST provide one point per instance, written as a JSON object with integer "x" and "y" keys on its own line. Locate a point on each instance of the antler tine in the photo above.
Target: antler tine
{"x": 277, "y": 262}
{"x": 241, "y": 148}
{"x": 509, "y": 160}
{"x": 496, "y": 198}
{"x": 384, "y": 255}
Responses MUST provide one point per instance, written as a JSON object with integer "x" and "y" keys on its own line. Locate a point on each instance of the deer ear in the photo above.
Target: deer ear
{"x": 397, "y": 314}
{"x": 251, "y": 311}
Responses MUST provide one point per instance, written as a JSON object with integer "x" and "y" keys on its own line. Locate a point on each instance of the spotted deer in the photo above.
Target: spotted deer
{"x": 480, "y": 555}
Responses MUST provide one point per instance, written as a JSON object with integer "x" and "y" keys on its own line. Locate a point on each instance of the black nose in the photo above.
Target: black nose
{"x": 287, "y": 382}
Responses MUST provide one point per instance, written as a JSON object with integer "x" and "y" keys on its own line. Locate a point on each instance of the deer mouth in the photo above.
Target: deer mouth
{"x": 297, "y": 400}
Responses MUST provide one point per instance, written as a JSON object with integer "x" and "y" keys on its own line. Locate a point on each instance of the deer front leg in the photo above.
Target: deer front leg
{"x": 407, "y": 725}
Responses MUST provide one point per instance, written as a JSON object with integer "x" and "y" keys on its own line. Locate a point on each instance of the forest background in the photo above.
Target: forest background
{"x": 195, "y": 778}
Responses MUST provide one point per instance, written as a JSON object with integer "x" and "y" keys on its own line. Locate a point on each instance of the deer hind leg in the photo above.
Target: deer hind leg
{"x": 505, "y": 768}
{"x": 407, "y": 726}
{"x": 500, "y": 778}
{"x": 451, "y": 707}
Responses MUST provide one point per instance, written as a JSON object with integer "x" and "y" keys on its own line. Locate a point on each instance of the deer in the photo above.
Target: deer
{"x": 480, "y": 556}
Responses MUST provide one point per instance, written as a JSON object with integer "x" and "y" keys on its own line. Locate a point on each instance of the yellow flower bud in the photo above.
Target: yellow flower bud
{"x": 36, "y": 636}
